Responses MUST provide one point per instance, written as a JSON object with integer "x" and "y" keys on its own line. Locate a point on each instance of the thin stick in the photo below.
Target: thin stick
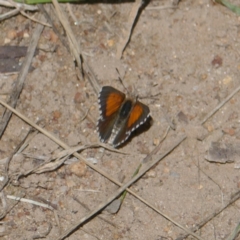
{"x": 22, "y": 76}
{"x": 120, "y": 190}
{"x": 130, "y": 24}
{"x": 102, "y": 172}
{"x": 34, "y": 19}
{"x": 161, "y": 7}
{"x": 211, "y": 216}
{"x": 220, "y": 105}
{"x": 74, "y": 45}
{"x": 9, "y": 14}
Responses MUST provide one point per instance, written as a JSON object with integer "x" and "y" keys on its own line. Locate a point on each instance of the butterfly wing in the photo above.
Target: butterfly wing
{"x": 139, "y": 114}
{"x": 110, "y": 101}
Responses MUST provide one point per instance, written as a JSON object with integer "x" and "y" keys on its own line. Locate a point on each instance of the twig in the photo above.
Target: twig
{"x": 161, "y": 7}
{"x": 34, "y": 19}
{"x": 9, "y": 14}
{"x": 220, "y": 105}
{"x": 86, "y": 207}
{"x": 69, "y": 7}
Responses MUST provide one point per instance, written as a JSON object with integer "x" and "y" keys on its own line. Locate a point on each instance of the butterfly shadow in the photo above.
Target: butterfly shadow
{"x": 141, "y": 129}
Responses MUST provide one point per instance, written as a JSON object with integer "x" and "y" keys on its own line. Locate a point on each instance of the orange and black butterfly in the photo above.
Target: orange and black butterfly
{"x": 119, "y": 115}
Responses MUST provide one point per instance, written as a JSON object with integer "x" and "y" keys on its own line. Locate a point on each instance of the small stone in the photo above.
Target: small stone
{"x": 182, "y": 117}
{"x": 156, "y": 141}
{"x": 56, "y": 115}
{"x": 217, "y": 61}
{"x": 79, "y": 97}
{"x": 210, "y": 128}
{"x": 151, "y": 174}
{"x": 12, "y": 34}
{"x": 53, "y": 37}
{"x": 110, "y": 42}
{"x": 79, "y": 168}
{"x": 227, "y": 80}
{"x": 229, "y": 131}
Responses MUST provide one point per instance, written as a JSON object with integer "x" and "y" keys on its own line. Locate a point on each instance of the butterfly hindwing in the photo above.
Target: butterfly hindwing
{"x": 105, "y": 127}
{"x": 139, "y": 114}
{"x": 110, "y": 101}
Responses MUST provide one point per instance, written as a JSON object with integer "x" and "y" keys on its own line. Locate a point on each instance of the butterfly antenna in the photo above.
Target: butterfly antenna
{"x": 121, "y": 81}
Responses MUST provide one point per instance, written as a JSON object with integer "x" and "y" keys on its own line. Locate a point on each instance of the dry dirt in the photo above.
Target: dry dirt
{"x": 189, "y": 57}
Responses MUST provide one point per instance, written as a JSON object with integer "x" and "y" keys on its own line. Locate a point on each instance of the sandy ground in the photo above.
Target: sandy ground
{"x": 189, "y": 58}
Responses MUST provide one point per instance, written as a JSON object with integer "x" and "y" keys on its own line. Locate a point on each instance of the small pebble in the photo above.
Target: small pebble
{"x": 79, "y": 97}
{"x": 11, "y": 34}
{"x": 79, "y": 168}
{"x": 217, "y": 61}
{"x": 229, "y": 131}
{"x": 56, "y": 115}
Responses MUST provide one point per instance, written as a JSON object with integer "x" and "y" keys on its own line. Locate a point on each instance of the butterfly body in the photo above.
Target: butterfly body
{"x": 119, "y": 116}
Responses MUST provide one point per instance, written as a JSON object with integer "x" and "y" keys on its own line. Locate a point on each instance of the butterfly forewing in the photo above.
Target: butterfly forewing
{"x": 110, "y": 100}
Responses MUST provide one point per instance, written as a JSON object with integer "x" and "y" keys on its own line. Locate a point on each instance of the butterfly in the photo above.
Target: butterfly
{"x": 119, "y": 115}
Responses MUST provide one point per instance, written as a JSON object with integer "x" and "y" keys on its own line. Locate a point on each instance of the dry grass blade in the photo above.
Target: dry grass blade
{"x": 9, "y": 14}
{"x": 235, "y": 232}
{"x": 43, "y": 10}
{"x": 9, "y": 207}
{"x": 59, "y": 142}
{"x": 162, "y": 7}
{"x": 22, "y": 6}
{"x": 211, "y": 216}
{"x": 7, "y": 162}
{"x": 30, "y": 201}
{"x": 123, "y": 188}
{"x": 75, "y": 48}
{"x": 127, "y": 33}
{"x": 22, "y": 76}
{"x": 86, "y": 207}
{"x": 220, "y": 105}
{"x": 102, "y": 172}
